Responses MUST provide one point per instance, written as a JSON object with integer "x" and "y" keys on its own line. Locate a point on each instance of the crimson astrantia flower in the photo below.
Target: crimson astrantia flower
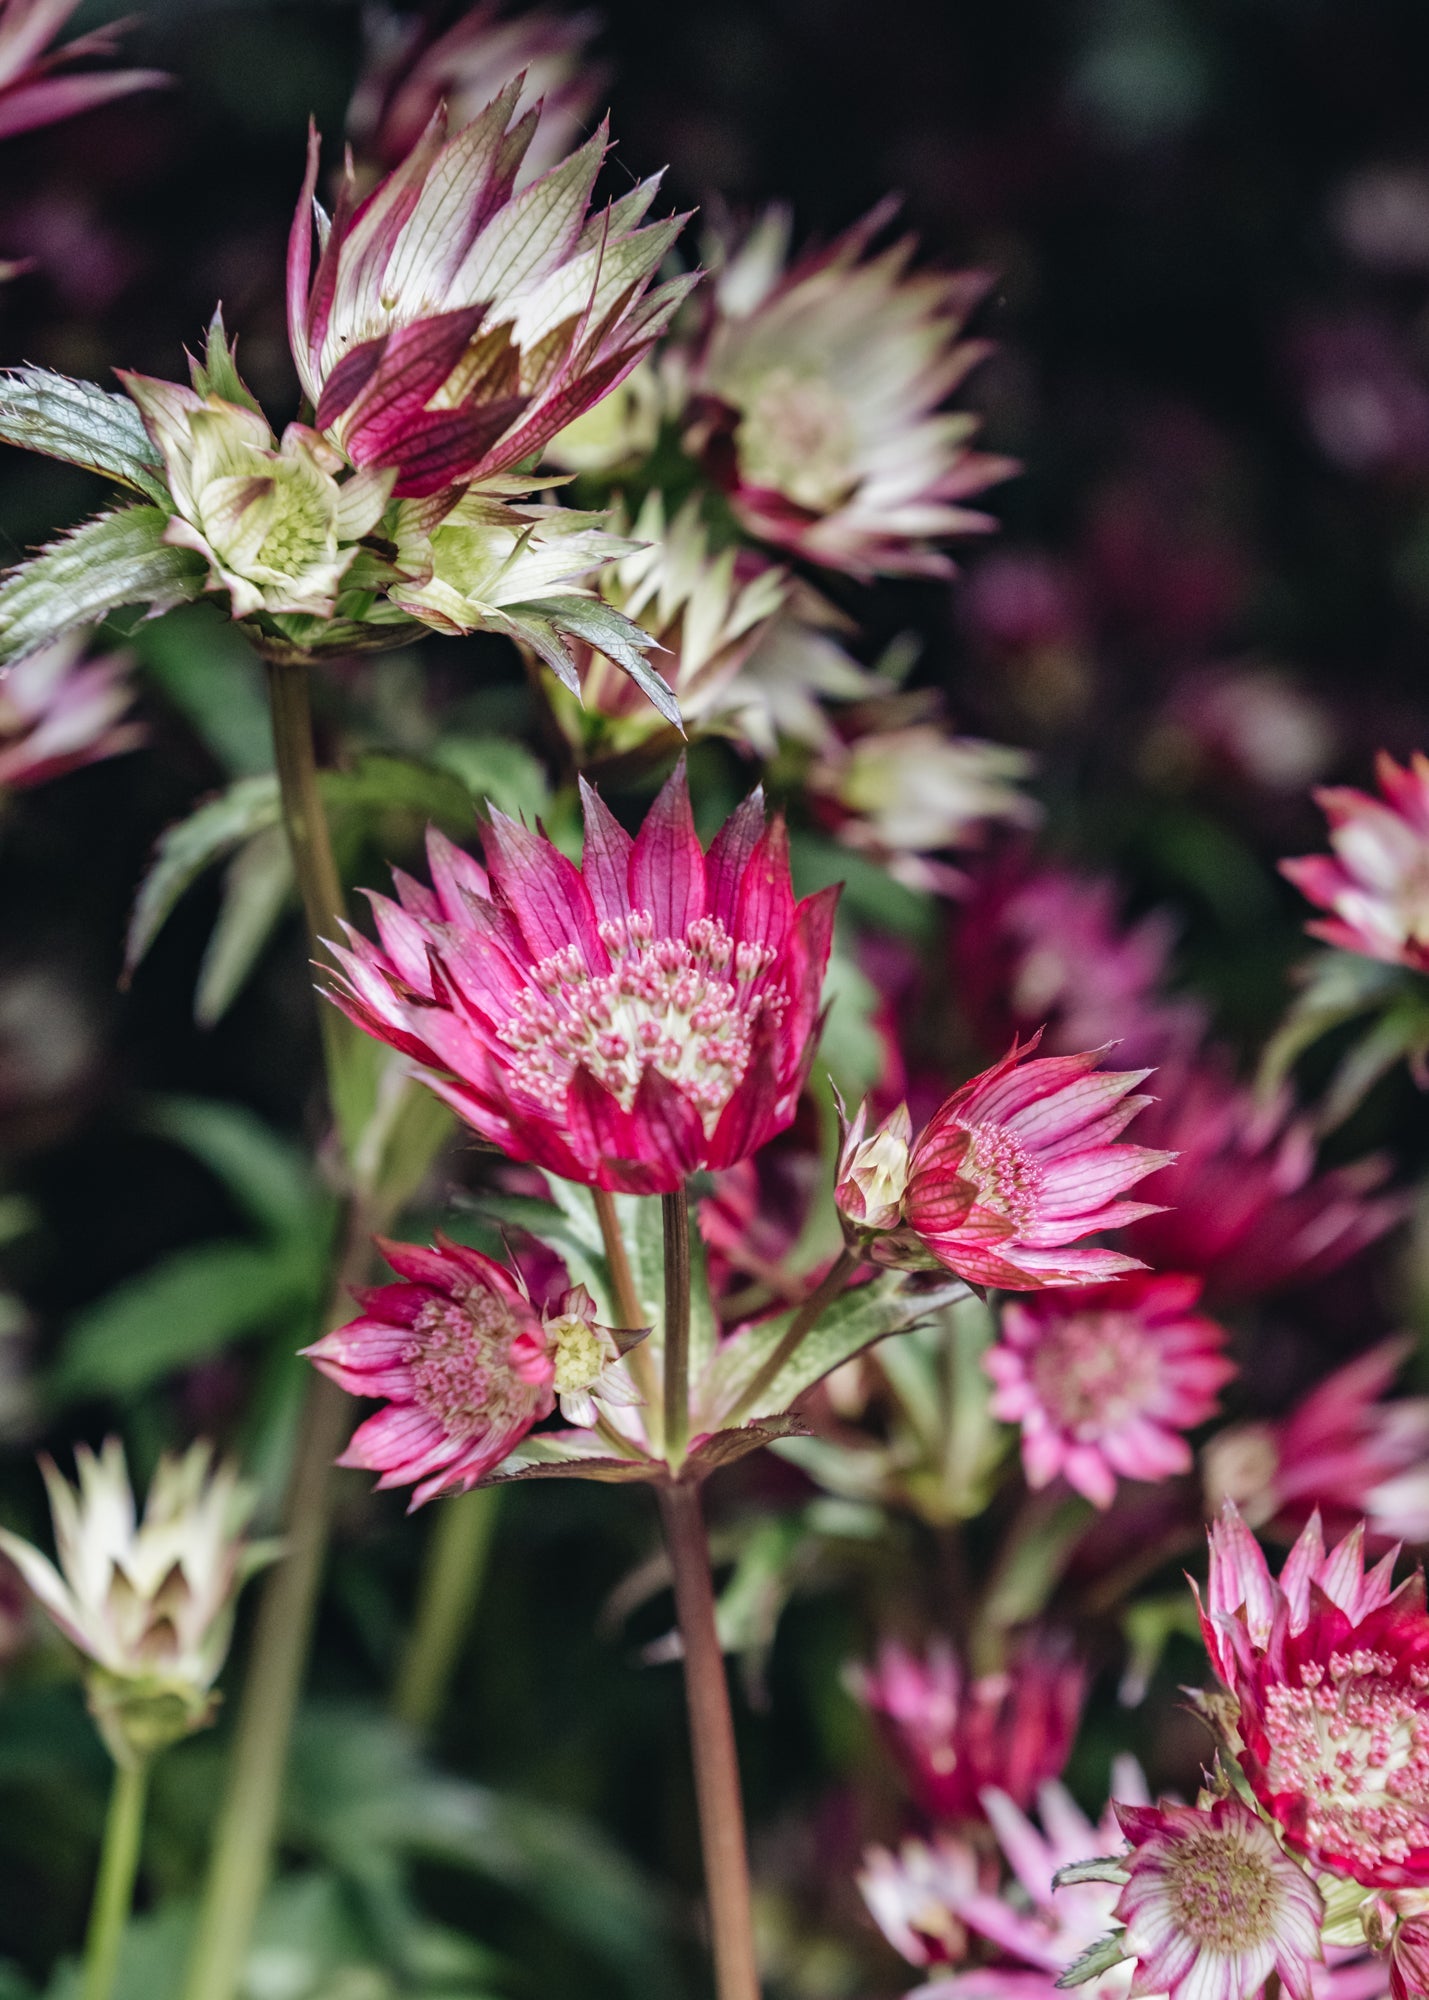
{"x": 1213, "y": 1904}
{"x": 954, "y": 1736}
{"x": 1104, "y": 1379}
{"x": 60, "y": 710}
{"x": 1329, "y": 1666}
{"x": 621, "y": 1023}
{"x": 454, "y": 324}
{"x": 1010, "y": 1171}
{"x": 32, "y": 90}
{"x": 1376, "y": 883}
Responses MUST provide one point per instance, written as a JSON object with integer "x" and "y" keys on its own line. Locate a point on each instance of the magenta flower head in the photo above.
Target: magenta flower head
{"x": 1376, "y": 883}
{"x": 60, "y": 710}
{"x": 1213, "y": 1905}
{"x": 1329, "y": 1668}
{"x": 619, "y": 1024}
{"x": 33, "y": 89}
{"x": 454, "y": 324}
{"x": 954, "y": 1736}
{"x": 1009, "y": 1172}
{"x": 1104, "y": 1380}
{"x": 466, "y": 1365}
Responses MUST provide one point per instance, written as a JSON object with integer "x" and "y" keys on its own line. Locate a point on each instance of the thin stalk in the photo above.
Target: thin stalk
{"x": 803, "y": 1322}
{"x": 114, "y": 1885}
{"x": 721, "y": 1809}
{"x": 447, "y": 1597}
{"x": 629, "y": 1311}
{"x": 675, "y": 1211}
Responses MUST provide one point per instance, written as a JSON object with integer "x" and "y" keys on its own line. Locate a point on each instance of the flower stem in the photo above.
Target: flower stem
{"x": 622, "y": 1279}
{"x": 452, "y": 1576}
{"x": 803, "y": 1322}
{"x": 721, "y": 1808}
{"x": 675, "y": 1211}
{"x": 114, "y": 1885}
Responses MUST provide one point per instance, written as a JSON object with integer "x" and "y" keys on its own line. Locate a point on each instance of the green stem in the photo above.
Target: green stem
{"x": 721, "y": 1808}
{"x": 803, "y": 1322}
{"x": 452, "y": 1576}
{"x": 114, "y": 1885}
{"x": 617, "y": 1257}
{"x": 675, "y": 1211}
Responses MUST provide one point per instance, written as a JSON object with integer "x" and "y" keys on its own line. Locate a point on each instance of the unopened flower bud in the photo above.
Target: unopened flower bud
{"x": 873, "y": 1172}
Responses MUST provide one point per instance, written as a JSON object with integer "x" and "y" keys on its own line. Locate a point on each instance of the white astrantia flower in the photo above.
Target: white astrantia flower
{"x": 149, "y": 1601}
{"x": 587, "y": 1360}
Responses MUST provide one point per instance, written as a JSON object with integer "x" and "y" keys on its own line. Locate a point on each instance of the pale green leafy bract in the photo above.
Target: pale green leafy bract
{"x": 84, "y": 424}
{"x": 113, "y": 560}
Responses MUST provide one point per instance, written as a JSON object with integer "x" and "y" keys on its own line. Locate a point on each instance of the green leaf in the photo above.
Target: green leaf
{"x": 497, "y": 771}
{"x": 610, "y": 632}
{"x": 256, "y": 890}
{"x": 569, "y": 1455}
{"x": 185, "y": 850}
{"x": 113, "y": 560}
{"x": 889, "y": 1305}
{"x": 1095, "y": 1960}
{"x": 211, "y": 674}
{"x": 80, "y": 422}
{"x": 380, "y": 783}
{"x": 269, "y": 1178}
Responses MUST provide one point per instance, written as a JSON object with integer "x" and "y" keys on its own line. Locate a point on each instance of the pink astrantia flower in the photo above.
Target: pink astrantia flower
{"x": 1376, "y": 883}
{"x": 1347, "y": 1450}
{"x": 955, "y": 1736}
{"x": 1213, "y": 1904}
{"x": 33, "y": 90}
{"x": 1409, "y": 1959}
{"x": 911, "y": 1897}
{"x": 621, "y": 1023}
{"x": 454, "y": 324}
{"x": 1105, "y": 1379}
{"x": 466, "y": 1365}
{"x": 1009, "y": 1171}
{"x": 59, "y": 710}
{"x": 819, "y": 393}
{"x": 1329, "y": 1667}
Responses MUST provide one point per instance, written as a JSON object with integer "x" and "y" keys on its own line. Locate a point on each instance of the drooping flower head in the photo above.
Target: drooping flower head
{"x": 466, "y": 1365}
{"x": 1009, "y": 1172}
{"x": 60, "y": 709}
{"x": 1329, "y": 1667}
{"x": 822, "y": 386}
{"x": 1376, "y": 883}
{"x": 621, "y": 1023}
{"x": 954, "y": 1736}
{"x": 453, "y": 324}
{"x": 33, "y": 90}
{"x": 148, "y": 1601}
{"x": 1105, "y": 1379}
{"x": 1213, "y": 1904}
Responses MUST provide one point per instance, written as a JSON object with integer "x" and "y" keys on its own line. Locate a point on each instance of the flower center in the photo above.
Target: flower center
{"x": 1007, "y": 1177}
{"x": 460, "y": 1363}
{"x": 795, "y": 435}
{"x": 579, "y": 1356}
{"x": 1222, "y": 1896}
{"x": 1094, "y": 1372}
{"x": 686, "y": 1005}
{"x": 1353, "y": 1742}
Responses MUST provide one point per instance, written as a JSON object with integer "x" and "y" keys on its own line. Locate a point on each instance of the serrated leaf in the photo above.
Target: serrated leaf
{"x": 113, "y": 560}
{"x": 83, "y": 424}
{"x": 569, "y": 1455}
{"x": 870, "y": 1312}
{"x": 1095, "y": 1960}
{"x": 256, "y": 890}
{"x": 610, "y": 632}
{"x": 185, "y": 850}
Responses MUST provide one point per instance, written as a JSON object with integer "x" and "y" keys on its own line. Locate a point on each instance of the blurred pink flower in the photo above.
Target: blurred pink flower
{"x": 1376, "y": 883}
{"x": 60, "y": 710}
{"x": 1329, "y": 1668}
{"x": 1346, "y": 1451}
{"x": 1105, "y": 1379}
{"x": 954, "y": 1737}
{"x": 818, "y": 400}
{"x": 1364, "y": 395}
{"x": 33, "y": 90}
{"x": 1255, "y": 725}
{"x": 1009, "y": 1171}
{"x": 1409, "y": 1959}
{"x": 1213, "y": 1904}
{"x": 911, "y": 1894}
{"x": 621, "y": 1023}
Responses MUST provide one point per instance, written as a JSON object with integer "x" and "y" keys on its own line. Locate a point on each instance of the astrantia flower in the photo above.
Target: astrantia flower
{"x": 1008, "y": 1173}
{"x": 1329, "y": 1667}
{"x": 621, "y": 1023}
{"x": 821, "y": 390}
{"x": 1105, "y": 1379}
{"x": 148, "y": 1602}
{"x": 60, "y": 710}
{"x": 453, "y": 325}
{"x": 954, "y": 1736}
{"x": 276, "y": 527}
{"x": 1347, "y": 1451}
{"x": 32, "y": 91}
{"x": 1213, "y": 1904}
{"x": 584, "y": 1359}
{"x": 1376, "y": 883}
{"x": 911, "y": 1894}
{"x": 465, "y": 1363}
